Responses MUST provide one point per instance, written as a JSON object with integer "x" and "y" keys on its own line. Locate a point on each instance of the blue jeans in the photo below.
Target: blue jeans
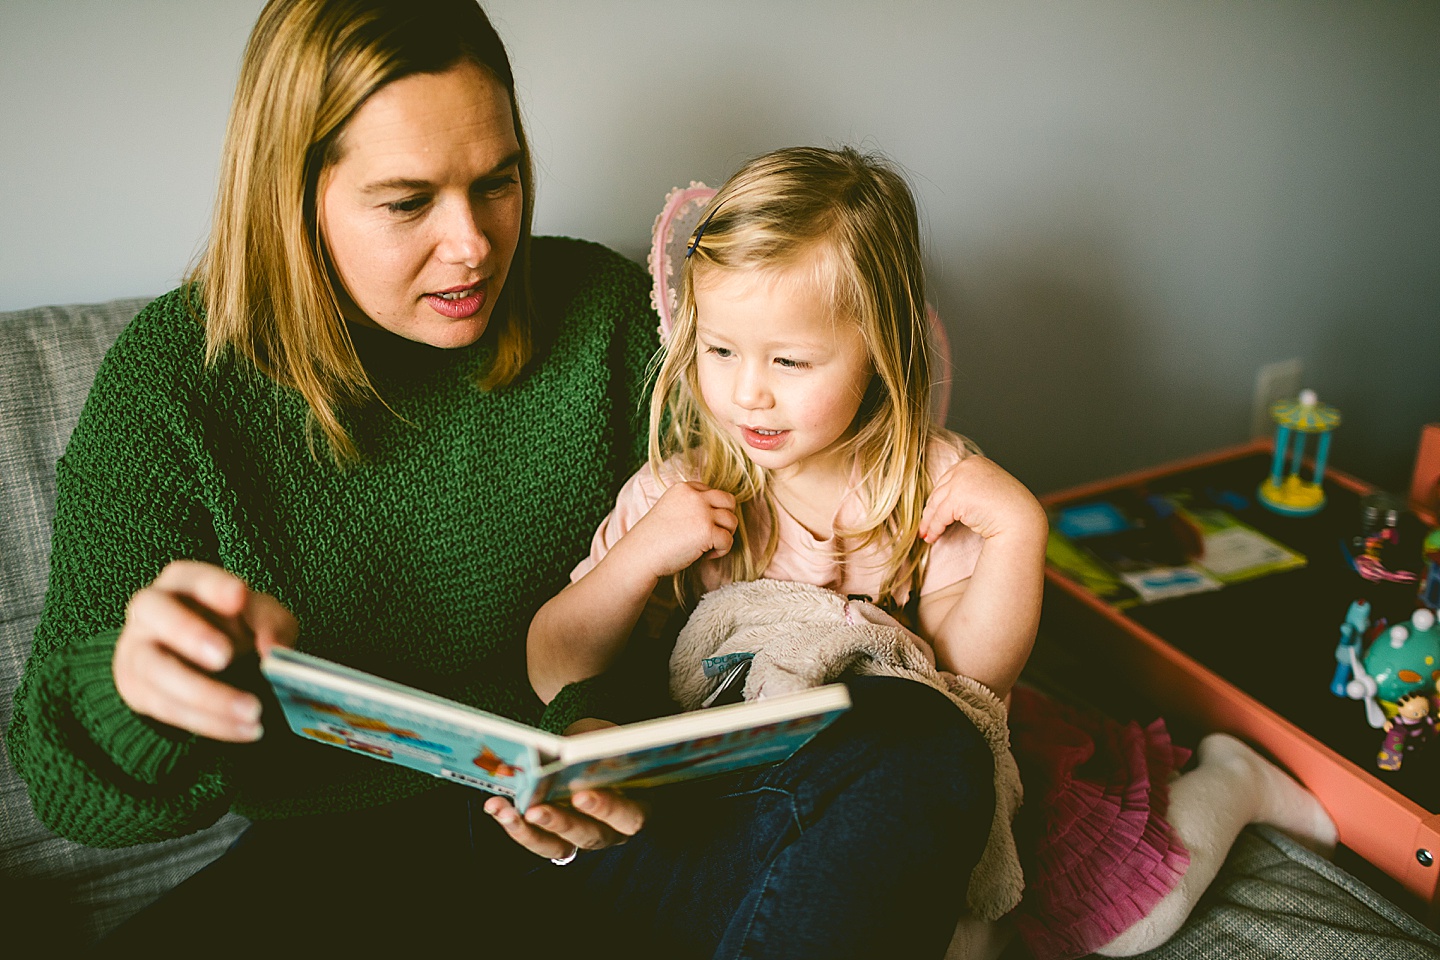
{"x": 860, "y": 845}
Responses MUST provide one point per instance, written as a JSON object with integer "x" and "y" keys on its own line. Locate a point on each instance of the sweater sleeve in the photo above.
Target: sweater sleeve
{"x": 97, "y": 772}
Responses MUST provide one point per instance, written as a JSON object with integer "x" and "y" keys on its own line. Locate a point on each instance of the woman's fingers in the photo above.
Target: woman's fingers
{"x": 186, "y": 625}
{"x": 623, "y": 815}
{"x": 271, "y": 623}
{"x": 156, "y": 683}
{"x": 250, "y": 618}
{"x": 194, "y": 701}
{"x": 601, "y": 819}
{"x": 528, "y": 834}
{"x": 574, "y": 829}
{"x": 212, "y": 587}
{"x": 179, "y": 624}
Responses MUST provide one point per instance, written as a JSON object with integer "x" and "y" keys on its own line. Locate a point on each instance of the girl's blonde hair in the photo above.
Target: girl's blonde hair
{"x": 264, "y": 280}
{"x": 855, "y": 214}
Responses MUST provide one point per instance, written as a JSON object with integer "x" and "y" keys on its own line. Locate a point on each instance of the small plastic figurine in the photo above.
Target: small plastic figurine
{"x": 1410, "y": 728}
{"x": 1288, "y": 494}
{"x": 1352, "y": 632}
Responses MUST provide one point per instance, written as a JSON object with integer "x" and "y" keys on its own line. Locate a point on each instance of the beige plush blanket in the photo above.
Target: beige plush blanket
{"x": 803, "y": 636}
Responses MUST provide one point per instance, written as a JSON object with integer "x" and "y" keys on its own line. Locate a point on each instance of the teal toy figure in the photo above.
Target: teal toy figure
{"x": 1404, "y": 660}
{"x": 1285, "y": 491}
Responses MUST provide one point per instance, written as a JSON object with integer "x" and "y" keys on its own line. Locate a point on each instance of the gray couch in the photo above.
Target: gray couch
{"x": 55, "y": 892}
{"x": 1273, "y": 899}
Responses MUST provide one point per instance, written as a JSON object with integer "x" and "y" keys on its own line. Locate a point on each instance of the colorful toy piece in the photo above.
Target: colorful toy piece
{"x": 1430, "y": 584}
{"x": 1410, "y": 728}
{"x": 1287, "y": 493}
{"x": 1404, "y": 660}
{"x": 1352, "y": 632}
{"x": 1379, "y": 535}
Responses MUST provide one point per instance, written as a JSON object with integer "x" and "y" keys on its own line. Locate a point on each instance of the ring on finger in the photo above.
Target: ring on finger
{"x": 562, "y": 861}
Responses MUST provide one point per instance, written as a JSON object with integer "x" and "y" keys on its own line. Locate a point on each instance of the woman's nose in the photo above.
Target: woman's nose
{"x": 463, "y": 240}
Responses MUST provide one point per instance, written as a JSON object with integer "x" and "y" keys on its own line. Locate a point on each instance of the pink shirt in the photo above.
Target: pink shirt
{"x": 801, "y": 556}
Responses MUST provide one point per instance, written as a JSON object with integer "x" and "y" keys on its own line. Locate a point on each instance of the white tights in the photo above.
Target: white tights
{"x": 1231, "y": 786}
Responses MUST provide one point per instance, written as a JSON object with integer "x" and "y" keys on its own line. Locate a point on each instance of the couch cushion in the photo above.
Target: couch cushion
{"x": 48, "y": 357}
{"x": 1276, "y": 900}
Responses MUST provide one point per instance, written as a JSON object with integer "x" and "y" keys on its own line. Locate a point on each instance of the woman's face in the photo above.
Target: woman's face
{"x": 421, "y": 213}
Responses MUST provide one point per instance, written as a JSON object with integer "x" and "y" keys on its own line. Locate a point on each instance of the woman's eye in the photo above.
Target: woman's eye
{"x": 497, "y": 185}
{"x": 408, "y": 205}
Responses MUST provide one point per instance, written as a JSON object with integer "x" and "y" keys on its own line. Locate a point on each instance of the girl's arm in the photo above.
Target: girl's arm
{"x": 984, "y": 626}
{"x": 580, "y": 630}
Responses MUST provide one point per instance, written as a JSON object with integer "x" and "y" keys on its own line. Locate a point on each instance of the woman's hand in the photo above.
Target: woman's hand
{"x": 186, "y": 625}
{"x": 978, "y": 493}
{"x": 600, "y": 818}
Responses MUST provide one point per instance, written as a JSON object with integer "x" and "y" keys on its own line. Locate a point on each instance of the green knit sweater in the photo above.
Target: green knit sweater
{"x": 424, "y": 564}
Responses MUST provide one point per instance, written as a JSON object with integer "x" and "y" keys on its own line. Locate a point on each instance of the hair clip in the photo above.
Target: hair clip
{"x": 700, "y": 232}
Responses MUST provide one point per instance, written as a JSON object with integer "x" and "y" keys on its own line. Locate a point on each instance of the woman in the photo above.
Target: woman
{"x": 372, "y": 424}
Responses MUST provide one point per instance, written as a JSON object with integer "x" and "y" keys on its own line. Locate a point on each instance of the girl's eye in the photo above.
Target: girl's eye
{"x": 790, "y": 364}
{"x": 408, "y": 205}
{"x": 720, "y": 352}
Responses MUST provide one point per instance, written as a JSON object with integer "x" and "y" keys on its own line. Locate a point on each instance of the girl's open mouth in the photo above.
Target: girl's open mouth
{"x": 764, "y": 439}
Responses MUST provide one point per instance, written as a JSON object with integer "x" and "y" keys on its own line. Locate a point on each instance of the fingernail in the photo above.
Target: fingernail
{"x": 538, "y": 817}
{"x": 254, "y": 731}
{"x": 505, "y": 815}
{"x": 214, "y": 656}
{"x": 584, "y": 801}
{"x": 248, "y": 711}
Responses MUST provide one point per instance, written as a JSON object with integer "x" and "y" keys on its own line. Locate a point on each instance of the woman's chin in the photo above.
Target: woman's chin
{"x": 441, "y": 332}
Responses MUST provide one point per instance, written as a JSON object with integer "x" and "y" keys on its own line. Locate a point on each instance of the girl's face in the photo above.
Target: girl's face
{"x": 775, "y": 368}
{"x": 421, "y": 213}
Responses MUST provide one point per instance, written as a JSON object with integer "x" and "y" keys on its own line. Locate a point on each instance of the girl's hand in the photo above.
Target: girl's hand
{"x": 976, "y": 492}
{"x": 688, "y": 522}
{"x": 186, "y": 625}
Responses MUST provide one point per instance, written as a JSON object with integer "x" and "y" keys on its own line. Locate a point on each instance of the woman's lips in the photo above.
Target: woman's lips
{"x": 461, "y": 303}
{"x": 768, "y": 440}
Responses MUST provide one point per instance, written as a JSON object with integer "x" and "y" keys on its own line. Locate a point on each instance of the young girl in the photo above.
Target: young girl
{"x": 791, "y": 438}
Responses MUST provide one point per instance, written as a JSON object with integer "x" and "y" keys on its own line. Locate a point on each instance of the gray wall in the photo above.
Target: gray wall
{"x": 1130, "y": 206}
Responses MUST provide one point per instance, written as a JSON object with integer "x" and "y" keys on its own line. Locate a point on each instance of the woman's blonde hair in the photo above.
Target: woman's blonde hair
{"x": 855, "y": 216}
{"x": 264, "y": 280}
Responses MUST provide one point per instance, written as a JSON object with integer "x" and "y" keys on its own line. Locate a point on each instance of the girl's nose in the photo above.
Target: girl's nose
{"x": 752, "y": 389}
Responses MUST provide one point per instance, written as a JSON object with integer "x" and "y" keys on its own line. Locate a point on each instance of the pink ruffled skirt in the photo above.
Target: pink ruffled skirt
{"x": 1097, "y": 850}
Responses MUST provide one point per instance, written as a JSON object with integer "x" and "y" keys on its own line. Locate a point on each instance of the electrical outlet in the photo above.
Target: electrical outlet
{"x": 1275, "y": 381}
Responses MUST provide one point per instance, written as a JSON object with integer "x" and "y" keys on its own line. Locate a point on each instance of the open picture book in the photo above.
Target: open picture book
{"x": 333, "y": 704}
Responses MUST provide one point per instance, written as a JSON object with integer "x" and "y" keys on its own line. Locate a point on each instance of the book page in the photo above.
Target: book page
{"x": 366, "y": 715}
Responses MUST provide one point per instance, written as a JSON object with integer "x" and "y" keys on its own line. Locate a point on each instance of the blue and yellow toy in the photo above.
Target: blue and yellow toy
{"x": 1285, "y": 491}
